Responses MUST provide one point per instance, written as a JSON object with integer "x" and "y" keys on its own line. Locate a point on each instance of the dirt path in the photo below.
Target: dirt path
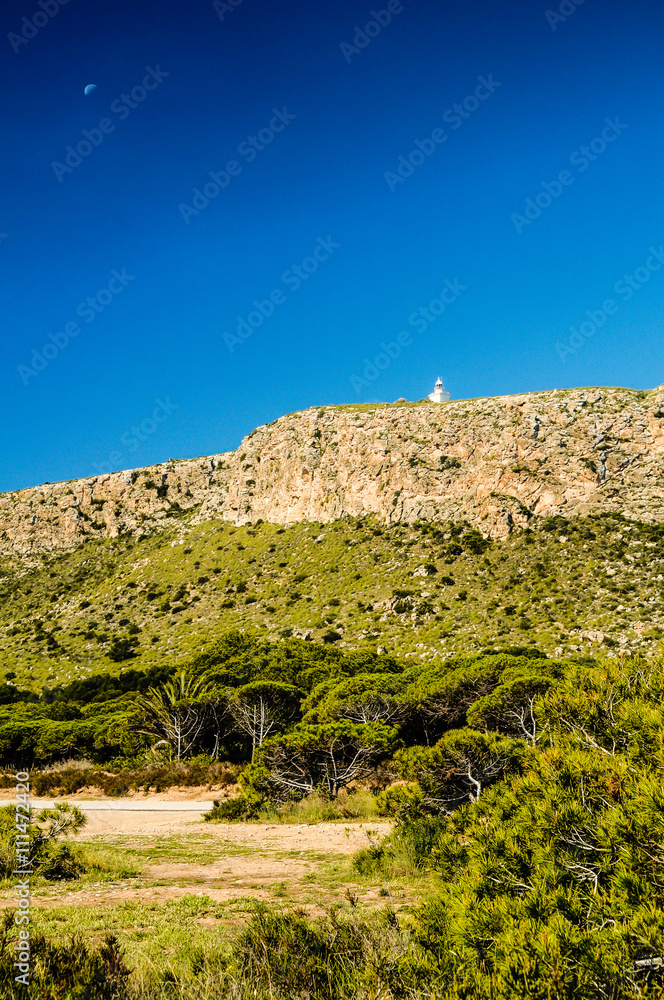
{"x": 112, "y": 818}
{"x": 221, "y": 860}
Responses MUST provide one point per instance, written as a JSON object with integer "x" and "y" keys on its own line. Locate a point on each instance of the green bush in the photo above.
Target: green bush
{"x": 41, "y": 852}
{"x": 233, "y": 810}
{"x": 473, "y": 541}
{"x": 287, "y": 956}
{"x": 68, "y": 971}
{"x": 122, "y": 648}
{"x": 401, "y": 801}
{"x": 62, "y": 862}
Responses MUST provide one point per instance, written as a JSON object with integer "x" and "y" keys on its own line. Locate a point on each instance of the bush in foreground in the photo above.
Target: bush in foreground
{"x": 69, "y": 971}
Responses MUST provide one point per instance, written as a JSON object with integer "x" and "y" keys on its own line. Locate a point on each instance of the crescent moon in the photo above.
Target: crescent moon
{"x": 90, "y": 87}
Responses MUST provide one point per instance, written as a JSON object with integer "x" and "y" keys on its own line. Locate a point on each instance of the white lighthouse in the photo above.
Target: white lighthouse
{"x": 439, "y": 395}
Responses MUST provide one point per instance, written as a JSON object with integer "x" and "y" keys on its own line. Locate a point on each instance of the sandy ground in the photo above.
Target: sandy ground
{"x": 112, "y": 818}
{"x": 277, "y": 854}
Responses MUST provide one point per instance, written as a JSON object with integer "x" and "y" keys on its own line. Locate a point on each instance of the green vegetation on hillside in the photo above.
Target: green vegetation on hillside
{"x": 423, "y": 591}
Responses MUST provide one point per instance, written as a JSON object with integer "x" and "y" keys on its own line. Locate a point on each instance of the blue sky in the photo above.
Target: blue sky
{"x": 538, "y": 200}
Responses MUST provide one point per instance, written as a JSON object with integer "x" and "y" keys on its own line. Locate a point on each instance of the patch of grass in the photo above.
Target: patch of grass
{"x": 160, "y": 941}
{"x": 357, "y": 805}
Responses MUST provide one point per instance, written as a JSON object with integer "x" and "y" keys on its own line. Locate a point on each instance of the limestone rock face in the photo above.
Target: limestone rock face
{"x": 493, "y": 462}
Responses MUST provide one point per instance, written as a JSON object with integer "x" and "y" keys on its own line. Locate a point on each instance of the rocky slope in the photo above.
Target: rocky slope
{"x": 493, "y": 462}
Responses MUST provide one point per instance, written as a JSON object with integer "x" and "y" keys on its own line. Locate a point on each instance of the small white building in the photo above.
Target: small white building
{"x": 439, "y": 395}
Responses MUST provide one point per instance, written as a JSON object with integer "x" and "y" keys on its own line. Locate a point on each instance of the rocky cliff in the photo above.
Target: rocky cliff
{"x": 493, "y": 462}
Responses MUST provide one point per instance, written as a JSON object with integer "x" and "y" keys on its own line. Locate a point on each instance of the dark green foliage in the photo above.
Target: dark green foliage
{"x": 474, "y": 542}
{"x": 557, "y": 523}
{"x": 71, "y": 971}
{"x": 552, "y": 879}
{"x": 184, "y": 715}
{"x": 288, "y": 953}
{"x": 42, "y": 853}
{"x": 510, "y": 708}
{"x": 9, "y": 694}
{"x": 26, "y": 741}
{"x": 442, "y": 696}
{"x": 404, "y": 801}
{"x": 459, "y": 767}
{"x": 239, "y": 808}
{"x": 318, "y": 758}
{"x": 96, "y": 717}
{"x": 287, "y": 956}
{"x": 263, "y": 708}
{"x": 62, "y": 862}
{"x": 122, "y": 648}
{"x": 362, "y": 698}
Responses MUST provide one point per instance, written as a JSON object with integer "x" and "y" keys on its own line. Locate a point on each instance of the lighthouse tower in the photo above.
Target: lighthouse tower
{"x": 439, "y": 395}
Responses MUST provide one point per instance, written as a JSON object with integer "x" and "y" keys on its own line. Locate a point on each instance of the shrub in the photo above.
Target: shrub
{"x": 62, "y": 862}
{"x": 122, "y": 648}
{"x": 41, "y": 852}
{"x": 368, "y": 861}
{"x": 287, "y": 956}
{"x": 510, "y": 708}
{"x": 233, "y": 810}
{"x": 459, "y": 767}
{"x": 68, "y": 971}
{"x": 401, "y": 801}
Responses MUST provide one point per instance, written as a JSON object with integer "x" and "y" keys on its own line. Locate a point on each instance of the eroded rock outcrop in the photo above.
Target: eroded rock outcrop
{"x": 494, "y": 462}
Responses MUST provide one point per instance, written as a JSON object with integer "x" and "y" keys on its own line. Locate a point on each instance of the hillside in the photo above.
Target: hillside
{"x": 421, "y": 591}
{"x": 380, "y": 548}
{"x": 492, "y": 462}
